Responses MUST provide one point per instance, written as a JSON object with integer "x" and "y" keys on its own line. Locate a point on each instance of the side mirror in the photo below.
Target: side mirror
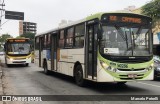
{"x": 99, "y": 34}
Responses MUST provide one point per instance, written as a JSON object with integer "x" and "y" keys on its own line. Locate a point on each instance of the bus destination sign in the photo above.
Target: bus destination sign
{"x": 125, "y": 19}
{"x": 17, "y": 40}
{"x": 116, "y": 18}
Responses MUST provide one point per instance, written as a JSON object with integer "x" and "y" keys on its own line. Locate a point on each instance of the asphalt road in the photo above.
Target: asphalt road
{"x": 20, "y": 80}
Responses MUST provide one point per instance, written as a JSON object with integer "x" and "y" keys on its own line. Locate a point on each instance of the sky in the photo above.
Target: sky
{"x": 49, "y": 13}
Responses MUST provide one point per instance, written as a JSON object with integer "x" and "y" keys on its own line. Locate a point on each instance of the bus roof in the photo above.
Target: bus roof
{"x": 99, "y": 15}
{"x": 49, "y": 31}
{"x": 94, "y": 16}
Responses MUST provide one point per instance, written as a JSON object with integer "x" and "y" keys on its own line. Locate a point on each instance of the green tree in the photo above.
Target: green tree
{"x": 3, "y": 39}
{"x": 152, "y": 9}
{"x": 28, "y": 35}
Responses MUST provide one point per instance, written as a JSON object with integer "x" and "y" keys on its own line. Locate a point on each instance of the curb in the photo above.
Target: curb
{"x": 1, "y": 83}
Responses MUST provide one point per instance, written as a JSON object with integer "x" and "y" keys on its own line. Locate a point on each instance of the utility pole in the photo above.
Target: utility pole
{"x": 10, "y": 15}
{"x": 2, "y": 5}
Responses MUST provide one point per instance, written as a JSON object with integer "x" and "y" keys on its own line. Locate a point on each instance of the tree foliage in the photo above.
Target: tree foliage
{"x": 4, "y": 37}
{"x": 152, "y": 9}
{"x": 28, "y": 35}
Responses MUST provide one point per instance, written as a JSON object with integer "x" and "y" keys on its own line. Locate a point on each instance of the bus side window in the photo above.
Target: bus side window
{"x": 45, "y": 41}
{"x": 61, "y": 39}
{"x": 48, "y": 40}
{"x": 37, "y": 43}
{"x": 69, "y": 37}
{"x": 79, "y": 35}
{"x": 42, "y": 39}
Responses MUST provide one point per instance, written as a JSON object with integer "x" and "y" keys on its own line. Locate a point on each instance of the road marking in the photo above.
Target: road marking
{"x": 148, "y": 84}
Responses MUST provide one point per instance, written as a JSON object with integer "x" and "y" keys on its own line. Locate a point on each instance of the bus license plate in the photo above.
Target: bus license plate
{"x": 132, "y": 75}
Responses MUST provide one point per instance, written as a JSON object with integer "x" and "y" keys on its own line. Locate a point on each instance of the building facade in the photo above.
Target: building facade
{"x": 27, "y": 27}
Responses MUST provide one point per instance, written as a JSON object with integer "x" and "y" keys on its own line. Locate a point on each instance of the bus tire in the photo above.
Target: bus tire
{"x": 27, "y": 64}
{"x": 79, "y": 76}
{"x": 46, "y": 71}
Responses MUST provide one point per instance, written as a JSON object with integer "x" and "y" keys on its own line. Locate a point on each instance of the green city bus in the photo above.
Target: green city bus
{"x": 104, "y": 47}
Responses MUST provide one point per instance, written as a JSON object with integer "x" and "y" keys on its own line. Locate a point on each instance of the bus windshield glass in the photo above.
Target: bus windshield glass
{"x": 19, "y": 48}
{"x": 125, "y": 40}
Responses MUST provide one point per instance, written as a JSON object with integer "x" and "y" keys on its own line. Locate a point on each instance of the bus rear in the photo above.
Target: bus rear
{"x": 18, "y": 51}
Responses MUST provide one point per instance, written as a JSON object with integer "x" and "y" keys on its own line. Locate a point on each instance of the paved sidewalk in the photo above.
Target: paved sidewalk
{"x": 1, "y": 88}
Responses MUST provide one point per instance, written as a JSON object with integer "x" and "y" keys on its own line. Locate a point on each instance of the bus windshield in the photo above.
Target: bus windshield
{"x": 125, "y": 40}
{"x": 18, "y": 48}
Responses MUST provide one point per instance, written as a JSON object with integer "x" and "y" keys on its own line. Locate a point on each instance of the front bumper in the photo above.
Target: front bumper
{"x": 18, "y": 61}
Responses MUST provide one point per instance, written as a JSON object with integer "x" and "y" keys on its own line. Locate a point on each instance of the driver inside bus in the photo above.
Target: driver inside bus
{"x": 21, "y": 50}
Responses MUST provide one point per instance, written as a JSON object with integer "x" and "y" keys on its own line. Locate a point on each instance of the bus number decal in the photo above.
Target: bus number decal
{"x": 122, "y": 65}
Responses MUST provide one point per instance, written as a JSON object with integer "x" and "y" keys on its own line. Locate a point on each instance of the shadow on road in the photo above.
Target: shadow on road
{"x": 13, "y": 66}
{"x": 103, "y": 88}
{"x": 100, "y": 88}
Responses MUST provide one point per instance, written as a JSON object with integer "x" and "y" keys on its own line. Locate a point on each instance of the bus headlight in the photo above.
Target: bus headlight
{"x": 112, "y": 69}
{"x": 149, "y": 68}
{"x": 105, "y": 66}
{"x": 152, "y": 64}
{"x": 11, "y": 59}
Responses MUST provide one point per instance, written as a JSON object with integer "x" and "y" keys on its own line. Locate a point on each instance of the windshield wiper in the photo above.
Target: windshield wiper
{"x": 123, "y": 35}
{"x": 120, "y": 32}
{"x": 139, "y": 30}
{"x": 126, "y": 39}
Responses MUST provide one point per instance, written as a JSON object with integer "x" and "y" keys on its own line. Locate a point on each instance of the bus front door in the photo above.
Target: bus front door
{"x": 91, "y": 51}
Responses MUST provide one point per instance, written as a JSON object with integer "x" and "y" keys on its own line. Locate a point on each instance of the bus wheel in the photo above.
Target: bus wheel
{"x": 79, "y": 76}
{"x": 27, "y": 64}
{"x": 45, "y": 68}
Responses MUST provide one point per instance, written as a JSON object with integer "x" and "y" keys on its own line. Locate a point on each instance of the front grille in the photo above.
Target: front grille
{"x": 19, "y": 58}
{"x": 139, "y": 75}
{"x": 130, "y": 78}
{"x": 125, "y": 77}
{"x": 19, "y": 61}
{"x": 131, "y": 69}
